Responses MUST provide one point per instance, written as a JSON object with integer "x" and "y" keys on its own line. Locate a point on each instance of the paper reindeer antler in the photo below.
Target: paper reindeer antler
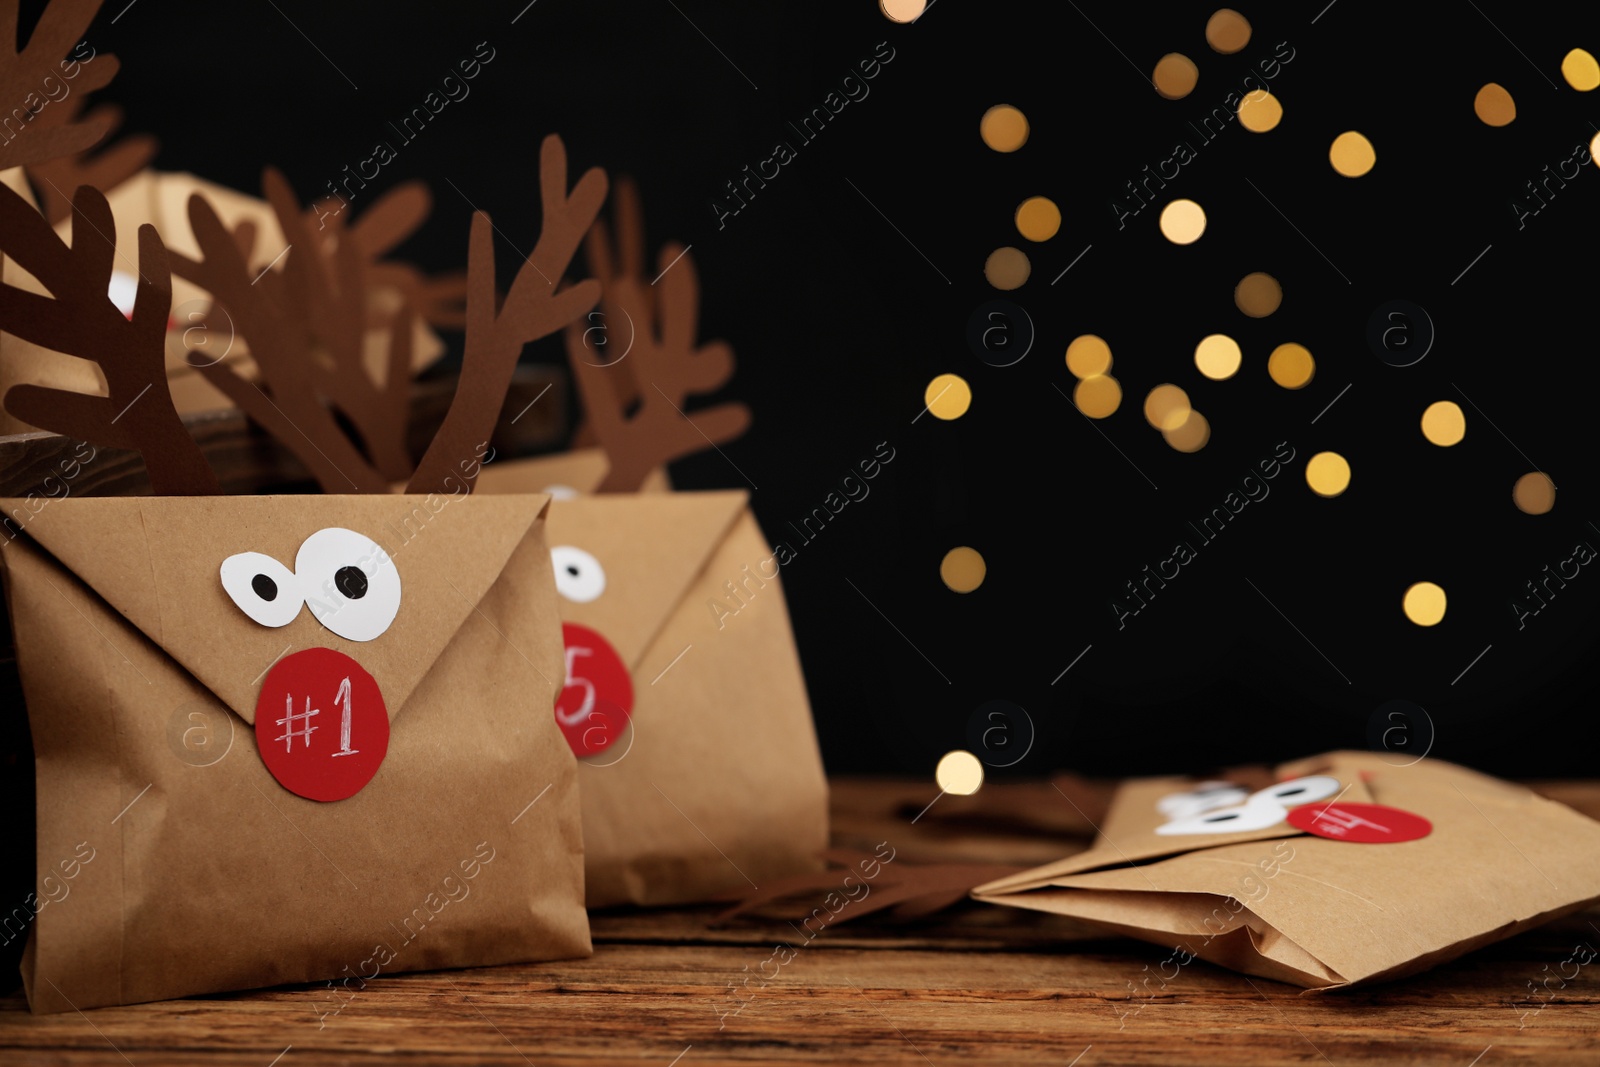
{"x": 79, "y": 318}
{"x": 534, "y": 307}
{"x": 55, "y": 180}
{"x": 662, "y": 364}
{"x": 50, "y": 131}
{"x": 319, "y": 297}
{"x": 439, "y": 300}
{"x": 912, "y": 890}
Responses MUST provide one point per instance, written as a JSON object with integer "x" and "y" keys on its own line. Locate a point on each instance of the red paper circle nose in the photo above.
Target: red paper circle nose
{"x": 597, "y": 700}
{"x": 321, "y": 724}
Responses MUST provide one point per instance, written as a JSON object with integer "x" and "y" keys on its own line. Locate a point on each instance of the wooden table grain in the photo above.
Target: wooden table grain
{"x": 973, "y": 985}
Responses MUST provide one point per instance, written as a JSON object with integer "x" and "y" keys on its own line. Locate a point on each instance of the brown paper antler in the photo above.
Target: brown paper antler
{"x": 439, "y": 300}
{"x": 80, "y": 319}
{"x": 279, "y": 343}
{"x": 534, "y": 307}
{"x": 55, "y": 180}
{"x": 661, "y": 366}
{"x": 48, "y": 130}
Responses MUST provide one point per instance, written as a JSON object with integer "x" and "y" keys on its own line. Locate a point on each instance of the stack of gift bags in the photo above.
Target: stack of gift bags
{"x": 425, "y": 717}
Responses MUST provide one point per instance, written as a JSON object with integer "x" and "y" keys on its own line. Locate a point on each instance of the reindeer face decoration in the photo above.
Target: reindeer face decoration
{"x": 329, "y": 704}
{"x": 596, "y": 700}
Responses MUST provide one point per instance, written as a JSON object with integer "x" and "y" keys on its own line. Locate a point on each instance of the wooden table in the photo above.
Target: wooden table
{"x": 975, "y": 984}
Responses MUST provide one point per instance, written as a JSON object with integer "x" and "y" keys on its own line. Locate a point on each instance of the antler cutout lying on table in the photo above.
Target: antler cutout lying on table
{"x": 79, "y": 318}
{"x": 534, "y": 307}
{"x": 48, "y": 133}
{"x": 661, "y": 366}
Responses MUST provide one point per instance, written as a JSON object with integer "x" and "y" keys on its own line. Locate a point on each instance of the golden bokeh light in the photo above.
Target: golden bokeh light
{"x": 1258, "y": 294}
{"x": 1088, "y": 355}
{"x": 1175, "y": 76}
{"x": 948, "y": 397}
{"x": 959, "y": 773}
{"x": 1227, "y": 31}
{"x": 1291, "y": 365}
{"x": 1038, "y": 218}
{"x": 1444, "y": 423}
{"x": 963, "y": 569}
{"x": 1424, "y": 604}
{"x": 1166, "y": 407}
{"x": 902, "y": 10}
{"x": 1182, "y": 222}
{"x": 1007, "y": 268}
{"x": 1004, "y": 128}
{"x": 1534, "y": 493}
{"x": 1352, "y": 154}
{"x": 1217, "y": 356}
{"x": 1260, "y": 111}
{"x": 1328, "y": 474}
{"x": 1580, "y": 70}
{"x": 1191, "y": 436}
{"x": 1494, "y": 106}
{"x": 1098, "y": 396}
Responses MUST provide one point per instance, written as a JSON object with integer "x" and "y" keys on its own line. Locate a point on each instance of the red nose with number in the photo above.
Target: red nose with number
{"x": 321, "y": 724}
{"x": 597, "y": 700}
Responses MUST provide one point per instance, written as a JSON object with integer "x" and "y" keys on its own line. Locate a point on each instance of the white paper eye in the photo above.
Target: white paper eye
{"x": 263, "y": 588}
{"x": 349, "y": 582}
{"x": 1203, "y": 797}
{"x": 1304, "y": 790}
{"x": 579, "y": 576}
{"x": 561, "y": 492}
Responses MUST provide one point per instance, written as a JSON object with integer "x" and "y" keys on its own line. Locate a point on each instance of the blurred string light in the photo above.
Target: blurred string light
{"x": 1166, "y": 407}
{"x": 902, "y": 10}
{"x": 948, "y": 397}
{"x": 1534, "y": 493}
{"x": 1175, "y": 76}
{"x": 1191, "y": 436}
{"x": 1088, "y": 355}
{"x": 1424, "y": 603}
{"x": 1260, "y": 112}
{"x": 1007, "y": 268}
{"x": 1444, "y": 423}
{"x": 1328, "y": 474}
{"x": 963, "y": 569}
{"x": 1217, "y": 356}
{"x": 1227, "y": 31}
{"x": 1098, "y": 396}
{"x": 1291, "y": 365}
{"x": 1580, "y": 70}
{"x": 1038, "y": 218}
{"x": 1004, "y": 128}
{"x": 1182, "y": 222}
{"x": 1258, "y": 294}
{"x": 959, "y": 773}
{"x": 1494, "y": 106}
{"x": 1352, "y": 154}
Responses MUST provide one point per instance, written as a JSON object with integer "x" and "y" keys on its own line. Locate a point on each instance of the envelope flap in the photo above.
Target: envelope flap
{"x": 157, "y": 561}
{"x": 1129, "y": 835}
{"x": 652, "y": 546}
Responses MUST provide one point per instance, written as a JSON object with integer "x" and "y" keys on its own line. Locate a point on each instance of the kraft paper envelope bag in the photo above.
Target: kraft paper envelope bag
{"x": 143, "y": 673}
{"x": 700, "y": 771}
{"x": 1405, "y": 867}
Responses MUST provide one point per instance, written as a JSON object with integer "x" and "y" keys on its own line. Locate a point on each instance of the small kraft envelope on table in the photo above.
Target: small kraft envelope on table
{"x": 287, "y": 738}
{"x": 1352, "y": 867}
{"x": 684, "y": 699}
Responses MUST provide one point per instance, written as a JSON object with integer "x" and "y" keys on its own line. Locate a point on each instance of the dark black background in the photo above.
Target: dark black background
{"x": 839, "y": 323}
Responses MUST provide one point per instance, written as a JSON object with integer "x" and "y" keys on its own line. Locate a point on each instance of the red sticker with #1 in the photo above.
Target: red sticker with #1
{"x": 321, "y": 724}
{"x": 597, "y": 699}
{"x": 1369, "y": 824}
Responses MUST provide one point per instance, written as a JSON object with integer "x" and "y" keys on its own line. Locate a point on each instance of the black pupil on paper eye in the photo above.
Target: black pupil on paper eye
{"x": 1293, "y": 792}
{"x": 572, "y": 569}
{"x": 1223, "y": 818}
{"x": 351, "y": 582}
{"x": 265, "y": 587}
